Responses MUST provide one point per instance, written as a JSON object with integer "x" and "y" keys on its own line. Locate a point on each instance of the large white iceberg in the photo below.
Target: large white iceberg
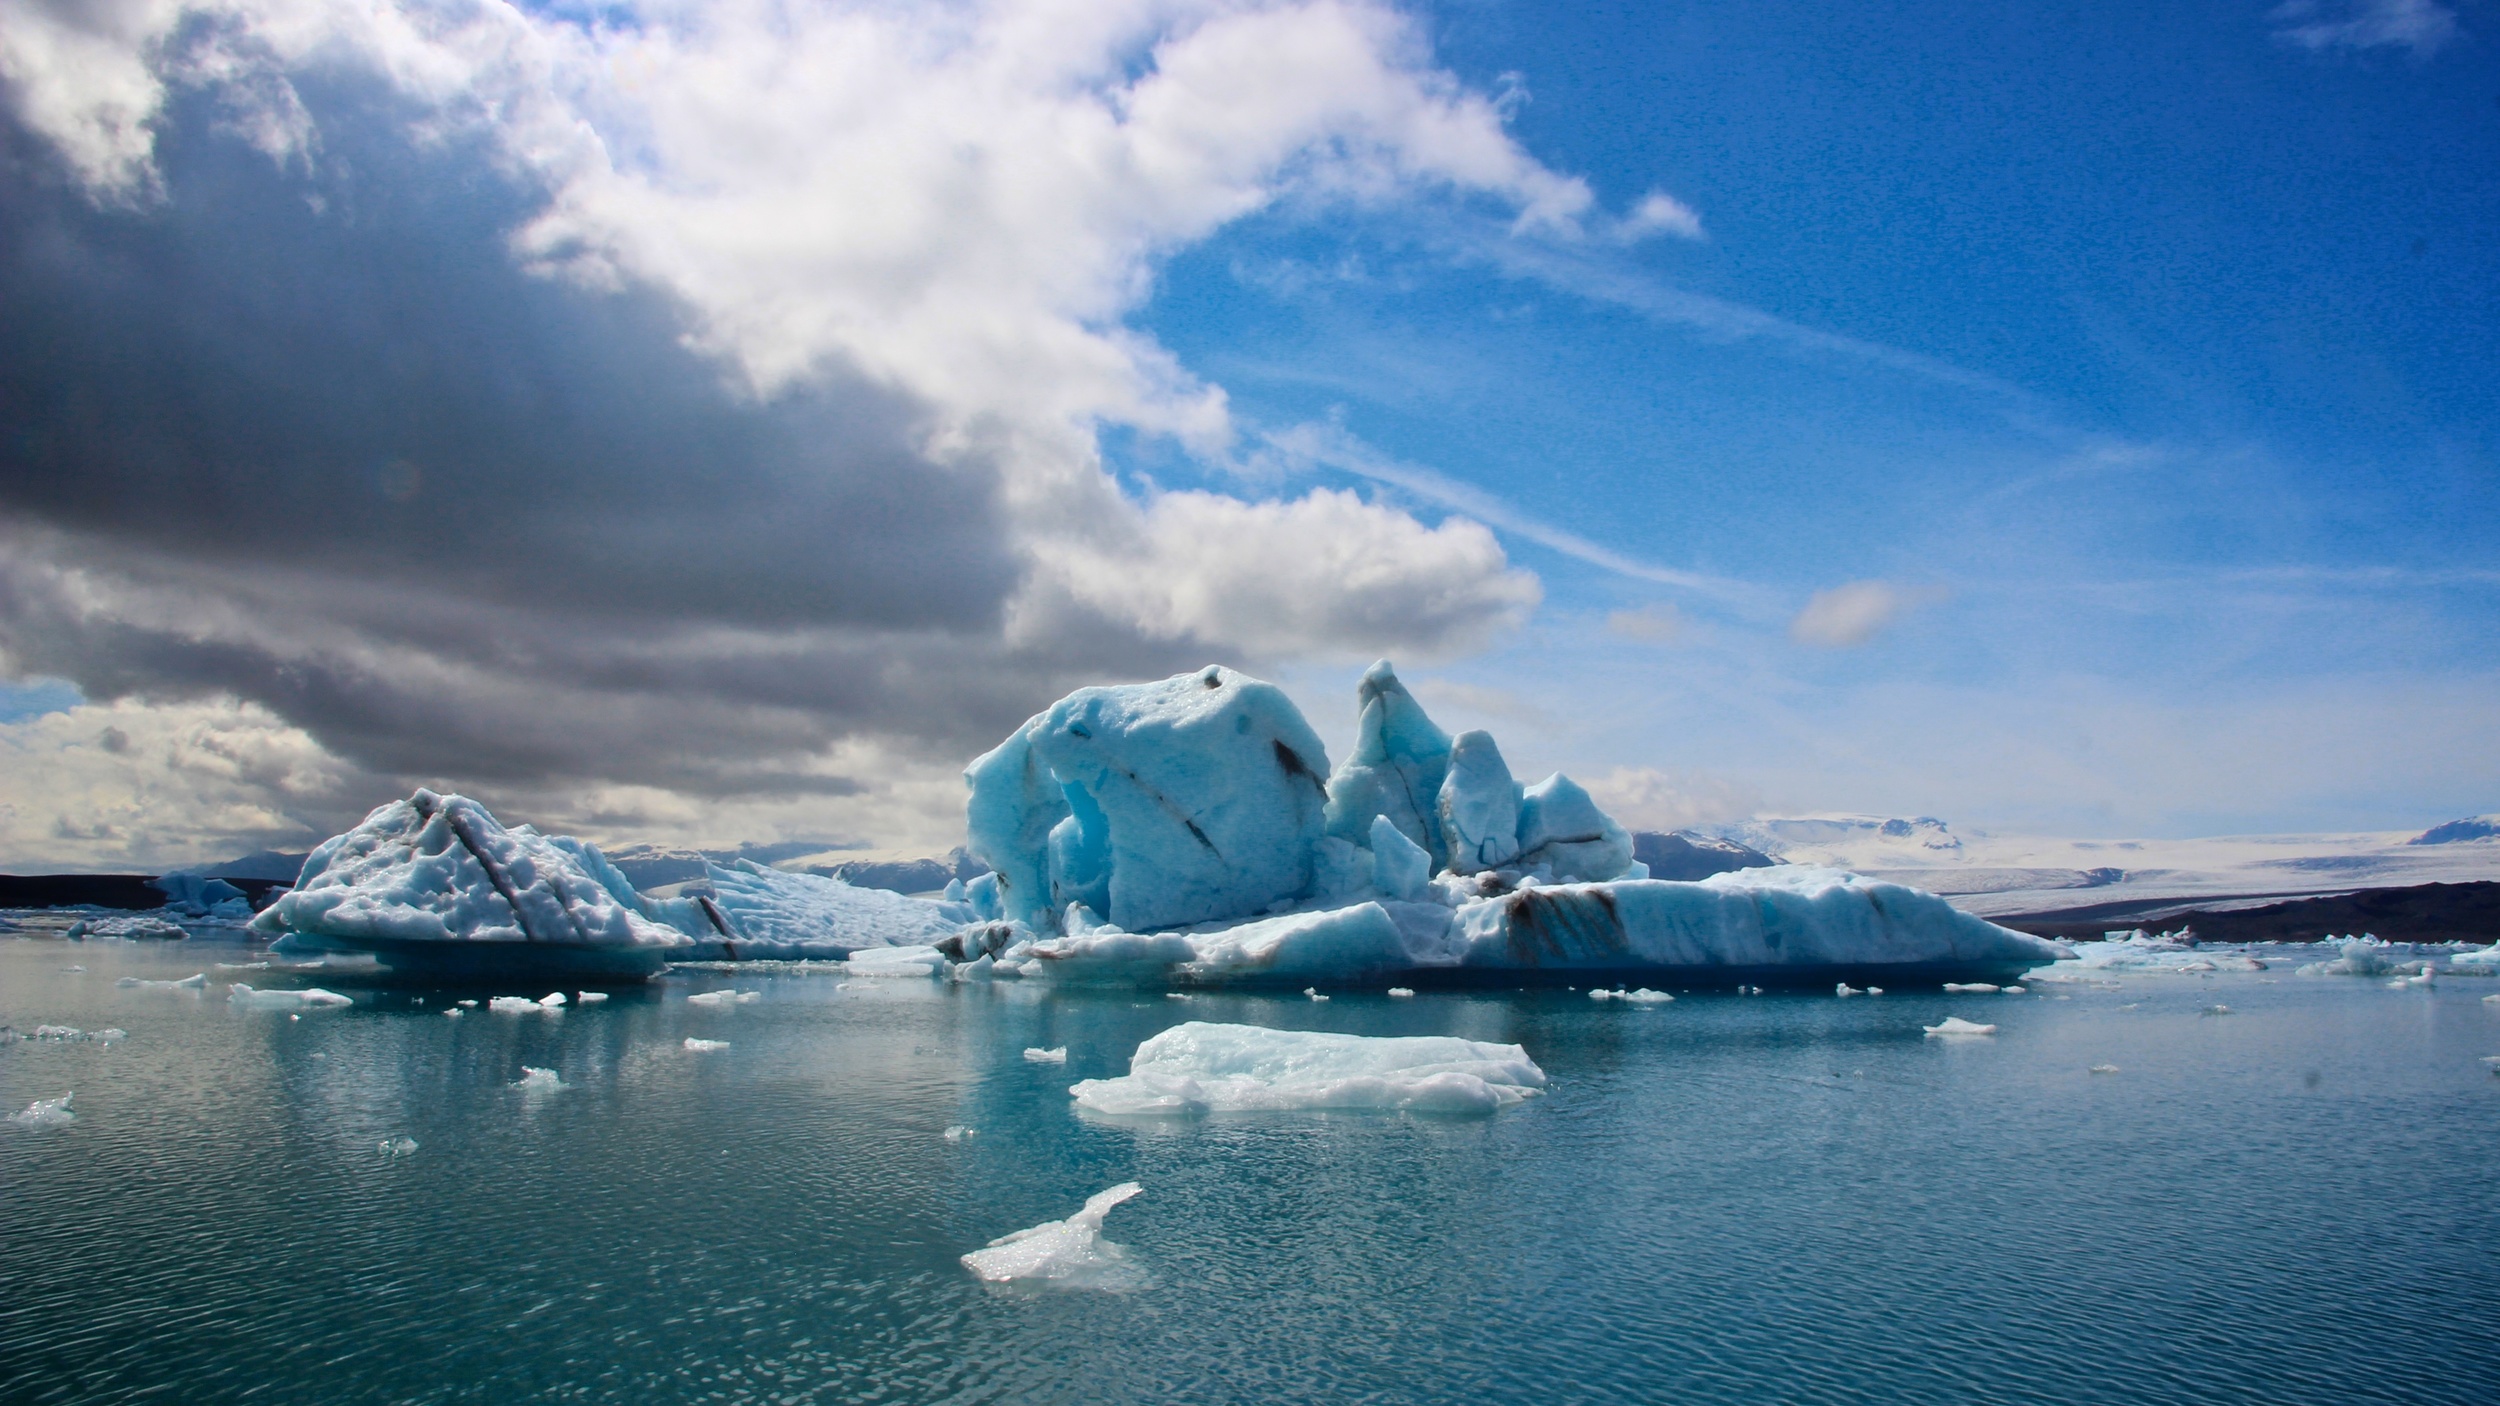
{"x": 1202, "y": 1067}
{"x": 755, "y": 912}
{"x": 437, "y": 881}
{"x": 1207, "y": 867}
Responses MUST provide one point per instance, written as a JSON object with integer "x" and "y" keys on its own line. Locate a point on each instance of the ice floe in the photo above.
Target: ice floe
{"x": 2365, "y": 955}
{"x": 724, "y": 999}
{"x": 310, "y": 998}
{"x": 1953, "y": 1027}
{"x": 1204, "y": 1067}
{"x": 64, "y": 1035}
{"x": 1642, "y": 996}
{"x": 1038, "y": 1055}
{"x": 1067, "y": 1253}
{"x": 45, "y": 1113}
{"x": 518, "y": 1005}
{"x": 139, "y": 927}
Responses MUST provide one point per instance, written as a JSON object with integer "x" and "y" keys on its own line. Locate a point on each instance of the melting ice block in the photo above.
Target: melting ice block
{"x": 435, "y": 870}
{"x": 1154, "y": 805}
{"x": 1070, "y": 1253}
{"x": 1203, "y": 1067}
{"x": 46, "y": 1113}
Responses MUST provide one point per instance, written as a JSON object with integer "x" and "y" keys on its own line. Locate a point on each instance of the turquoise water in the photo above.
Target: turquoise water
{"x": 1728, "y": 1198}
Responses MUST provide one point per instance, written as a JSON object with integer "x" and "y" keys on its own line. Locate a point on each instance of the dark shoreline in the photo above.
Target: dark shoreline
{"x": 2467, "y": 912}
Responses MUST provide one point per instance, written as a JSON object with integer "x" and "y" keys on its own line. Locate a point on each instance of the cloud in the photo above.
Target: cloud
{"x": 1658, "y": 213}
{"x": 1644, "y": 798}
{"x": 2422, "y": 26}
{"x": 691, "y": 410}
{"x": 1650, "y": 624}
{"x": 1850, "y": 615}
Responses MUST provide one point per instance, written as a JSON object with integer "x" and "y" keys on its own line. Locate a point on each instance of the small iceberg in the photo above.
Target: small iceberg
{"x": 1401, "y": 993}
{"x": 46, "y": 1113}
{"x": 1038, "y": 1055}
{"x": 517, "y": 1005}
{"x": 1976, "y": 988}
{"x": 705, "y": 1046}
{"x": 1067, "y": 1253}
{"x": 540, "y": 1081}
{"x": 1203, "y": 1067}
{"x": 960, "y": 1133}
{"x": 1954, "y": 1027}
{"x": 589, "y": 998}
{"x": 197, "y": 981}
{"x": 1640, "y": 997}
{"x": 310, "y": 998}
{"x": 721, "y": 999}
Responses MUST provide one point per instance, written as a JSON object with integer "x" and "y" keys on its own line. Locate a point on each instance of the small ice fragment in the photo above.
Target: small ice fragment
{"x": 2017, "y": 991}
{"x": 514, "y": 1005}
{"x": 45, "y": 1113}
{"x": 1178, "y": 996}
{"x": 2215, "y": 1010}
{"x": 454, "y": 1012}
{"x": 73, "y": 968}
{"x": 1845, "y": 989}
{"x": 540, "y": 1081}
{"x": 1954, "y": 1025}
{"x": 589, "y": 998}
{"x": 470, "y": 1004}
{"x": 1401, "y": 992}
{"x": 1068, "y": 1252}
{"x": 2492, "y": 1060}
{"x": 2104, "y": 1069}
{"x": 399, "y": 1147}
{"x": 1039, "y": 1055}
{"x": 2492, "y": 1000}
{"x": 1874, "y": 991}
{"x": 552, "y": 1000}
{"x": 1973, "y": 987}
{"x": 1600, "y": 993}
{"x": 1313, "y": 993}
{"x": 1644, "y": 997}
{"x": 705, "y": 1046}
{"x": 197, "y": 981}
{"x": 723, "y": 998}
{"x": 959, "y": 1132}
{"x": 243, "y": 995}
{"x": 227, "y": 967}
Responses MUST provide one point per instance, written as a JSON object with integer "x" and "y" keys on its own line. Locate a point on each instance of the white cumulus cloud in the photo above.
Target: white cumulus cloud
{"x": 1852, "y": 614}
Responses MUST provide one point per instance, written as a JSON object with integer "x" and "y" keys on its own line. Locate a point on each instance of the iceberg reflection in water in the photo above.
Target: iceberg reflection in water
{"x": 1790, "y": 1197}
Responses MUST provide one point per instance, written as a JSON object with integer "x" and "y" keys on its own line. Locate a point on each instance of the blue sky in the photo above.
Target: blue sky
{"x": 714, "y": 423}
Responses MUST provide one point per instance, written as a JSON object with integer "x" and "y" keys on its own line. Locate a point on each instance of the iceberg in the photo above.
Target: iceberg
{"x": 1953, "y": 1027}
{"x": 1479, "y": 806}
{"x": 754, "y": 912}
{"x": 1153, "y": 805}
{"x": 2365, "y": 955}
{"x": 1395, "y": 772}
{"x": 1204, "y": 1067}
{"x": 310, "y": 998}
{"x": 435, "y": 884}
{"x": 1069, "y": 1253}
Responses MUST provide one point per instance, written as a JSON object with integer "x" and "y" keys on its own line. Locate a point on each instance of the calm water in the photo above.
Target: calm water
{"x": 1724, "y": 1199}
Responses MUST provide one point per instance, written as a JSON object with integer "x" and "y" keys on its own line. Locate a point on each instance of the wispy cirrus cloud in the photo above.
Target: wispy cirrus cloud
{"x": 2421, "y": 26}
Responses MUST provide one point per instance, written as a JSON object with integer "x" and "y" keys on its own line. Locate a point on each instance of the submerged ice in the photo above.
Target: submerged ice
{"x": 1204, "y": 1067}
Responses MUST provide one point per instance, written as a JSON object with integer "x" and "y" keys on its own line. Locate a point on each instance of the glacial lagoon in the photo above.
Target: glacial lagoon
{"x": 2277, "y": 1189}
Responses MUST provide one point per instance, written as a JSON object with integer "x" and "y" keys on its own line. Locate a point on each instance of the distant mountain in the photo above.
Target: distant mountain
{"x": 1688, "y": 855}
{"x": 2473, "y": 827}
{"x": 270, "y": 865}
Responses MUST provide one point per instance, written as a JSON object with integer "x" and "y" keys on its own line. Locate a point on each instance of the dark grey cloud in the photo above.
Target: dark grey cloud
{"x": 313, "y": 439}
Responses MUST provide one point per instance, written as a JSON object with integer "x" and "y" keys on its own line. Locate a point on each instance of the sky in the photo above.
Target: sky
{"x": 705, "y": 423}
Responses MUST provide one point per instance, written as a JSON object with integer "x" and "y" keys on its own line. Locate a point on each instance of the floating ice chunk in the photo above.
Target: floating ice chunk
{"x": 540, "y": 1081}
{"x": 1561, "y": 829}
{"x": 399, "y": 1147}
{"x": 2359, "y": 956}
{"x": 898, "y": 961}
{"x": 1314, "y": 993}
{"x": 705, "y": 1046}
{"x": 724, "y": 999}
{"x": 1479, "y": 805}
{"x": 1987, "y": 987}
{"x": 1401, "y": 868}
{"x": 136, "y": 927}
{"x": 454, "y": 1012}
{"x": 46, "y": 1113}
{"x": 2104, "y": 1069}
{"x": 1642, "y": 997}
{"x": 1193, "y": 799}
{"x": 65, "y": 1034}
{"x": 440, "y": 868}
{"x": 2017, "y": 991}
{"x": 960, "y": 1133}
{"x": 197, "y": 981}
{"x": 227, "y": 967}
{"x": 2492, "y": 1000}
{"x": 1401, "y": 993}
{"x": 1845, "y": 989}
{"x": 516, "y": 1005}
{"x": 552, "y": 1000}
{"x": 2215, "y": 1010}
{"x": 1038, "y": 1055}
{"x": 308, "y": 998}
{"x": 589, "y": 998}
{"x": 1954, "y": 1026}
{"x": 1201, "y": 1067}
{"x": 1874, "y": 991}
{"x": 1069, "y": 1253}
